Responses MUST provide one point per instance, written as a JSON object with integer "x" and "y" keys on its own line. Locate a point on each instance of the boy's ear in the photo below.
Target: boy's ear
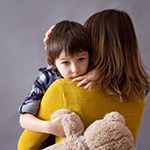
{"x": 55, "y": 69}
{"x": 54, "y": 66}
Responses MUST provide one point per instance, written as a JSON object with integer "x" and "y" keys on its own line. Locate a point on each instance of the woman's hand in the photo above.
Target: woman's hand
{"x": 47, "y": 34}
{"x": 88, "y": 79}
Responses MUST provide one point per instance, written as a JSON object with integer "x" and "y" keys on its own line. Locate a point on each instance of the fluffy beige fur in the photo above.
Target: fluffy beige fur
{"x": 109, "y": 133}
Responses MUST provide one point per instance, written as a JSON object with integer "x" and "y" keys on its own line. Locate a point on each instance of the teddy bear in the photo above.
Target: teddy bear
{"x": 109, "y": 133}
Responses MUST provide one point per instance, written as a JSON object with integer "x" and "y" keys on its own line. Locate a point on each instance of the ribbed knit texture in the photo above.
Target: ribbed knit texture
{"x": 90, "y": 105}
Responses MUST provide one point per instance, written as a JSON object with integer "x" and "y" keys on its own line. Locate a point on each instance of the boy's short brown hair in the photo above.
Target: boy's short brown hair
{"x": 69, "y": 36}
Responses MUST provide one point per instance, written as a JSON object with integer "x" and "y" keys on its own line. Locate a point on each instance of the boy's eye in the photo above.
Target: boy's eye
{"x": 81, "y": 59}
{"x": 65, "y": 62}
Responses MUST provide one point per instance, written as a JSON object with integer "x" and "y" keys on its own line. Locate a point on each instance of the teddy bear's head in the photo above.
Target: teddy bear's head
{"x": 107, "y": 133}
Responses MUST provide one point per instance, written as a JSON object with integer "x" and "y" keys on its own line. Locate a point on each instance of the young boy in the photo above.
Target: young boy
{"x": 68, "y": 51}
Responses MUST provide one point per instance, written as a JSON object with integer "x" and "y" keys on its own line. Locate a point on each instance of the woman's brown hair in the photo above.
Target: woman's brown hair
{"x": 115, "y": 54}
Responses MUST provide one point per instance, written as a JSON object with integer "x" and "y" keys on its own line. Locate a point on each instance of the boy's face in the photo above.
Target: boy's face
{"x": 71, "y": 67}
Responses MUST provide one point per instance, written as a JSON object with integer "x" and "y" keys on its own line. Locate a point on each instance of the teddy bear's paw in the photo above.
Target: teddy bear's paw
{"x": 75, "y": 144}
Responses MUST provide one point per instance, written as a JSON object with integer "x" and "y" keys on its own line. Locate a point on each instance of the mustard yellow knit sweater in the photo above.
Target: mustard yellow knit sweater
{"x": 89, "y": 104}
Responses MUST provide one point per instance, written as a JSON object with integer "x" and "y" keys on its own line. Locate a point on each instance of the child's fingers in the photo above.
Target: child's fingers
{"x": 78, "y": 79}
{"x": 83, "y": 82}
{"x": 89, "y": 85}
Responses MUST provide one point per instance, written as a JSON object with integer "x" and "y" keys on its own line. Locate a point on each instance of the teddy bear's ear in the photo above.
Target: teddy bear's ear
{"x": 114, "y": 116}
{"x": 60, "y": 112}
{"x": 72, "y": 124}
{"x": 109, "y": 133}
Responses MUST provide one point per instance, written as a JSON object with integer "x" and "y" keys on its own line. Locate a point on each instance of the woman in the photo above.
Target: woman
{"x": 122, "y": 82}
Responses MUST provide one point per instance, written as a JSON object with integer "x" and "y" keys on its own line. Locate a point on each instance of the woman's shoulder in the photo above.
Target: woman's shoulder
{"x": 64, "y": 82}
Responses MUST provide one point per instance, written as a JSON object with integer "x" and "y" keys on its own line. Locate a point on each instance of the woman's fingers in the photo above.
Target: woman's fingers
{"x": 47, "y": 34}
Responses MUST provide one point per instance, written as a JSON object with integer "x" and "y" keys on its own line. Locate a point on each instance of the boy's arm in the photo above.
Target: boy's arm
{"x": 32, "y": 102}
{"x": 51, "y": 102}
{"x": 30, "y": 107}
{"x": 30, "y": 122}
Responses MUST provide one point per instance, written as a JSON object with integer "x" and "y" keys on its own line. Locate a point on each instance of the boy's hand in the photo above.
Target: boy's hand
{"x": 88, "y": 79}
{"x": 55, "y": 127}
{"x": 47, "y": 34}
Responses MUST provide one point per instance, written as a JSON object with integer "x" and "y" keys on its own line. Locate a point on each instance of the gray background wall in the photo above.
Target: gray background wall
{"x": 22, "y": 27}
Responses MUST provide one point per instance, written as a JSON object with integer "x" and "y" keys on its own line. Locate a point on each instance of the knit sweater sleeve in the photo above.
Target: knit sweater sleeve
{"x": 52, "y": 100}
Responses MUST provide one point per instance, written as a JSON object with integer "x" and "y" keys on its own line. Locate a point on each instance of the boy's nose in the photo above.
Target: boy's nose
{"x": 74, "y": 68}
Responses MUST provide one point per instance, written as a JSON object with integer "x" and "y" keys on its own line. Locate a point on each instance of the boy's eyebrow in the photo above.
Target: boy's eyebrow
{"x": 64, "y": 58}
{"x": 80, "y": 55}
{"x": 83, "y": 54}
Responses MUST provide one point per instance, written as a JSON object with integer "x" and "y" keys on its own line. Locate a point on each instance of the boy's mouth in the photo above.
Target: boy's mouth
{"x": 75, "y": 77}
